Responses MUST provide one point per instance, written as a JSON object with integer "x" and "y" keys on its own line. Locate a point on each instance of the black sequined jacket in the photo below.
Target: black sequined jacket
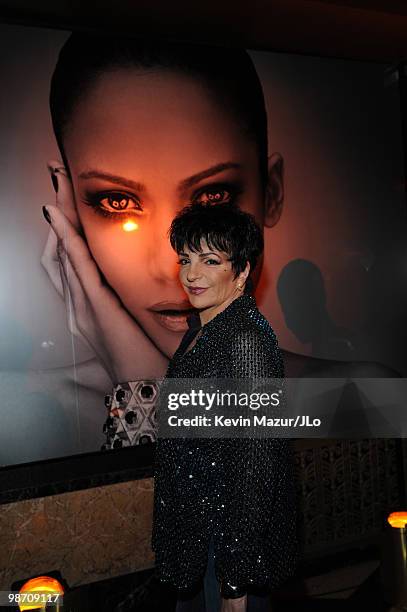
{"x": 240, "y": 491}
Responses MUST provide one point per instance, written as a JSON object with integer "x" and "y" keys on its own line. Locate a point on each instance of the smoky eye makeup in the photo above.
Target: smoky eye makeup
{"x": 220, "y": 192}
{"x": 119, "y": 205}
{"x": 116, "y": 205}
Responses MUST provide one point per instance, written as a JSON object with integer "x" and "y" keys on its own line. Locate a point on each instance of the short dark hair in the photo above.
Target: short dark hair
{"x": 228, "y": 73}
{"x": 224, "y": 227}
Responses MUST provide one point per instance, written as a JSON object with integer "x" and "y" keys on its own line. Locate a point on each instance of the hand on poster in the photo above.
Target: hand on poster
{"x": 94, "y": 312}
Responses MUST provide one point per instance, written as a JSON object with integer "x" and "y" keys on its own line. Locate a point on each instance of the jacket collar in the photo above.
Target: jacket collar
{"x": 194, "y": 320}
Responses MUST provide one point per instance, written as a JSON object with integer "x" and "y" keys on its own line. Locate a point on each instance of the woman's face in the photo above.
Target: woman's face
{"x": 209, "y": 279}
{"x": 140, "y": 146}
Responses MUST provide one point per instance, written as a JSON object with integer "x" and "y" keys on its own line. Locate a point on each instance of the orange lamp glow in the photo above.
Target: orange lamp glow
{"x": 397, "y": 519}
{"x": 130, "y": 226}
{"x": 41, "y": 584}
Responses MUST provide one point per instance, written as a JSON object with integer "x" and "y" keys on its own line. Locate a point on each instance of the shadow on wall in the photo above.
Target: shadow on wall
{"x": 302, "y": 296}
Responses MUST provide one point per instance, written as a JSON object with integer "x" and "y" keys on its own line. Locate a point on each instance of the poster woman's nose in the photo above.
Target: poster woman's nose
{"x": 162, "y": 258}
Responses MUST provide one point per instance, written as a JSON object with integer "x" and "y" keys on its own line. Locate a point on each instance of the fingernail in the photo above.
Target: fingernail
{"x": 46, "y": 214}
{"x": 54, "y": 182}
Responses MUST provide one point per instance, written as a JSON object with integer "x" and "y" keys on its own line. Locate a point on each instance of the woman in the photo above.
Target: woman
{"x": 236, "y": 495}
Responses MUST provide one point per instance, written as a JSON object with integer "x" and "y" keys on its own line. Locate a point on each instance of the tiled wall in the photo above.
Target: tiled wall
{"x": 87, "y": 535}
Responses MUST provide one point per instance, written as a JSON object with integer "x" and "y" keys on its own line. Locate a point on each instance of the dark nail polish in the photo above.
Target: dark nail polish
{"x": 46, "y": 214}
{"x": 54, "y": 182}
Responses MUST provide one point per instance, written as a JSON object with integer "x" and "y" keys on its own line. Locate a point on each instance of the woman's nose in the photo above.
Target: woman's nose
{"x": 193, "y": 272}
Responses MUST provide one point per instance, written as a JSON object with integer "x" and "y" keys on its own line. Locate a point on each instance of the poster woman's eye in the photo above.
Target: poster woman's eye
{"x": 114, "y": 204}
{"x": 119, "y": 202}
{"x": 216, "y": 195}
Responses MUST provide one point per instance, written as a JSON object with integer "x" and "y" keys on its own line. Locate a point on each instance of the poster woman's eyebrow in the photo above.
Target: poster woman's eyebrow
{"x": 195, "y": 178}
{"x": 113, "y": 178}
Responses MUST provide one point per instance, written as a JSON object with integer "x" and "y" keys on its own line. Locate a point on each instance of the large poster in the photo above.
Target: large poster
{"x": 137, "y": 130}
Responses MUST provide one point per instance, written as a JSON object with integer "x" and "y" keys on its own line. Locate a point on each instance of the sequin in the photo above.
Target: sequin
{"x": 248, "y": 483}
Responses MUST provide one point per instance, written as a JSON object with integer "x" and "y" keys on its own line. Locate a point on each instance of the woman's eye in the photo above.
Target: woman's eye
{"x": 113, "y": 205}
{"x": 182, "y": 261}
{"x": 214, "y": 196}
{"x": 212, "y": 261}
{"x": 119, "y": 203}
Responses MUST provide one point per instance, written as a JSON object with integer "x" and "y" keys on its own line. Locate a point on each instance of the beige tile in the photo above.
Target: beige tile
{"x": 87, "y": 535}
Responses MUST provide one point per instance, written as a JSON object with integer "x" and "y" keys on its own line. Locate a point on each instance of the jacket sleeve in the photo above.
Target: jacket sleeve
{"x": 260, "y": 537}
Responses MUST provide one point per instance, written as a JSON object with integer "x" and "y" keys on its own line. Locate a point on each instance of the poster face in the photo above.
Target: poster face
{"x": 105, "y": 306}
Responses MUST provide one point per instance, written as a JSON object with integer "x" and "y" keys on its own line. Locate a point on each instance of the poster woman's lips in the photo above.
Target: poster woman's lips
{"x": 197, "y": 290}
{"x": 172, "y": 315}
